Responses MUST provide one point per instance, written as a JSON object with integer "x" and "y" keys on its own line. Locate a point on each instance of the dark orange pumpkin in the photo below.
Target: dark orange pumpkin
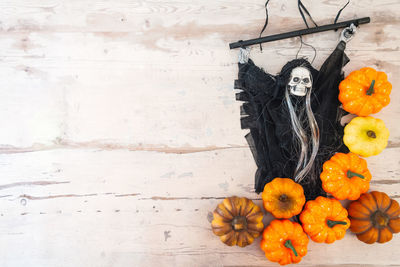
{"x": 374, "y": 217}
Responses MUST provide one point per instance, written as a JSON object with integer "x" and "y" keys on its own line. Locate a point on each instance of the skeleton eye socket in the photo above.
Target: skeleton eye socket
{"x": 296, "y": 79}
{"x": 306, "y": 80}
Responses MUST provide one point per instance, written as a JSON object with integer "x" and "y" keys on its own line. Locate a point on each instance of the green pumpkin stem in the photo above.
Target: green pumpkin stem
{"x": 331, "y": 223}
{"x": 371, "y": 90}
{"x": 289, "y": 244}
{"x": 351, "y": 174}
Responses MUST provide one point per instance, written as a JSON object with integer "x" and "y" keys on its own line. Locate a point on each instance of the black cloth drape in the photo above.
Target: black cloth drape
{"x": 265, "y": 113}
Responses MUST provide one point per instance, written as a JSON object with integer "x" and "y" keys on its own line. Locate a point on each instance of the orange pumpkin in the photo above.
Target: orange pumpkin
{"x": 345, "y": 176}
{"x": 365, "y": 91}
{"x": 237, "y": 221}
{"x": 284, "y": 242}
{"x": 283, "y": 197}
{"x": 374, "y": 217}
{"x": 324, "y": 220}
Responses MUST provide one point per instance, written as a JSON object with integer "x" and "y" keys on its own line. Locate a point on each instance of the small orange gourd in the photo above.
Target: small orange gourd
{"x": 283, "y": 197}
{"x": 324, "y": 220}
{"x": 284, "y": 242}
{"x": 374, "y": 217}
{"x": 237, "y": 221}
{"x": 345, "y": 176}
{"x": 365, "y": 91}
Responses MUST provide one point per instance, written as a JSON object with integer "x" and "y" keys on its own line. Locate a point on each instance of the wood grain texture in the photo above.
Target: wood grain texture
{"x": 120, "y": 130}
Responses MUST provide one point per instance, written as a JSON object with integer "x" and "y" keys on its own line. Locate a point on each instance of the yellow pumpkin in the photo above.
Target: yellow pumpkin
{"x": 366, "y": 136}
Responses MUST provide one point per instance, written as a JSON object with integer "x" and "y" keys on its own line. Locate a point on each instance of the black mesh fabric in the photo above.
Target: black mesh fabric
{"x": 264, "y": 112}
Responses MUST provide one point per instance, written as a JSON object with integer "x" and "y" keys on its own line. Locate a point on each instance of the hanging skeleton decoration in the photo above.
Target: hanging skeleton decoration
{"x": 293, "y": 117}
{"x": 300, "y": 84}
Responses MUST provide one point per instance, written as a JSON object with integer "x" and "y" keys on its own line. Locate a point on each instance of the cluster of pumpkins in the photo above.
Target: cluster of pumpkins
{"x": 373, "y": 217}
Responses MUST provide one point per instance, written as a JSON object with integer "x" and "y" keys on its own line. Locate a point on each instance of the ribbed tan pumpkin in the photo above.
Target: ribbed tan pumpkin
{"x": 374, "y": 217}
{"x": 237, "y": 221}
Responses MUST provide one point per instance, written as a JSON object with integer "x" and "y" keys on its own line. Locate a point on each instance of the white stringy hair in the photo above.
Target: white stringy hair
{"x": 304, "y": 165}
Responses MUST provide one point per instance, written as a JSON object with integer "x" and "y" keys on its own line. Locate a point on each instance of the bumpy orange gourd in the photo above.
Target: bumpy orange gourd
{"x": 324, "y": 220}
{"x": 365, "y": 91}
{"x": 284, "y": 242}
{"x": 237, "y": 221}
{"x": 345, "y": 176}
{"x": 283, "y": 197}
{"x": 374, "y": 217}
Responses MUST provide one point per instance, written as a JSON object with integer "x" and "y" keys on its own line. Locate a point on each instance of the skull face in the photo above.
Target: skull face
{"x": 300, "y": 81}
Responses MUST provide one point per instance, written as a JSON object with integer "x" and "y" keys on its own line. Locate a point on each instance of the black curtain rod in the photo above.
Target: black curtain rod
{"x": 286, "y": 35}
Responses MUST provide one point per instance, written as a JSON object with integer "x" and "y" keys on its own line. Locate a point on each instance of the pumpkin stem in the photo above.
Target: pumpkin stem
{"x": 371, "y": 90}
{"x": 331, "y": 223}
{"x": 239, "y": 223}
{"x": 283, "y": 198}
{"x": 289, "y": 244}
{"x": 371, "y": 134}
{"x": 380, "y": 219}
{"x": 351, "y": 174}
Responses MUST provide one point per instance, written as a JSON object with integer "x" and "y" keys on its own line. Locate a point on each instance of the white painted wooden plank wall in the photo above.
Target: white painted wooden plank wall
{"x": 120, "y": 130}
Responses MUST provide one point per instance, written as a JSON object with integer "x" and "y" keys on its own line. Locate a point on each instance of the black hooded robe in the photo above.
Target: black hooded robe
{"x": 264, "y": 112}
